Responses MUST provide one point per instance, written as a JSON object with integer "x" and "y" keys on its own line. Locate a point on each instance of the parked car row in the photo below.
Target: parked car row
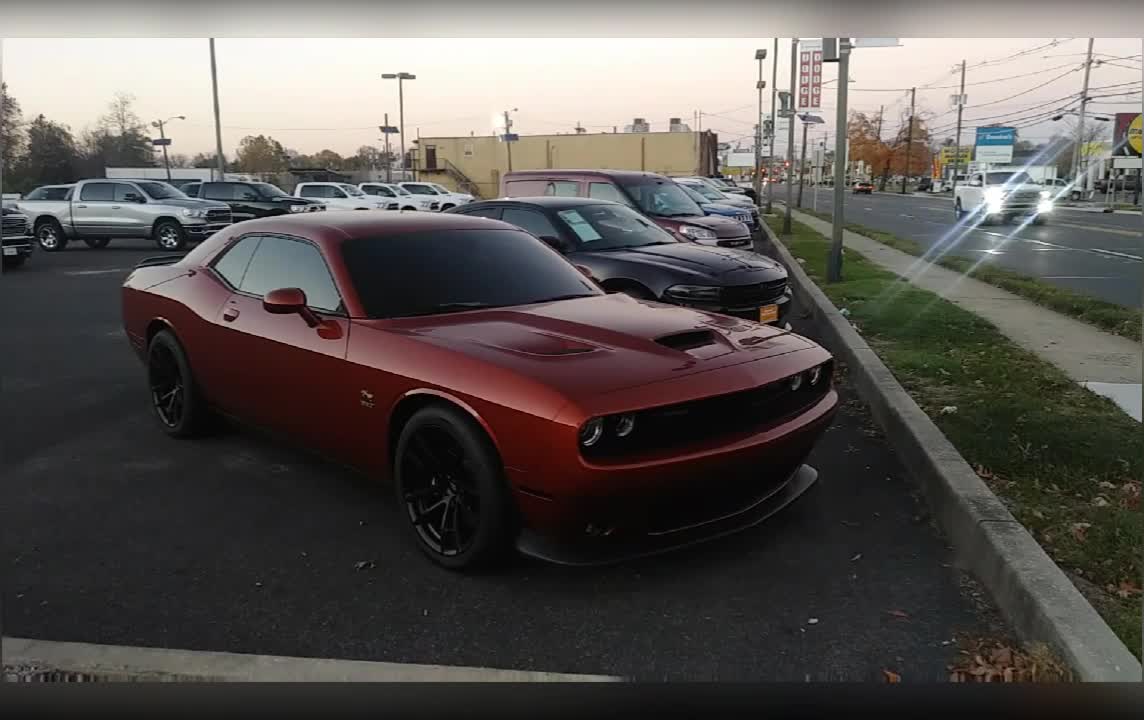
{"x": 507, "y": 364}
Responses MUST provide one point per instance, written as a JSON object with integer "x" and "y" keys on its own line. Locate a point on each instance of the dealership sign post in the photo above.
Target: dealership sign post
{"x": 995, "y": 145}
{"x": 1126, "y": 139}
{"x": 810, "y": 75}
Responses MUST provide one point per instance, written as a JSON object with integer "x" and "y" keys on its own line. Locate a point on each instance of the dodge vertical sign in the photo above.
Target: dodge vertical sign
{"x": 810, "y": 75}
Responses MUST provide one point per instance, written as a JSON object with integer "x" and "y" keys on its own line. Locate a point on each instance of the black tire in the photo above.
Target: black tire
{"x": 169, "y": 235}
{"x": 958, "y": 211}
{"x": 11, "y": 263}
{"x": 445, "y": 460}
{"x": 176, "y": 403}
{"x": 409, "y": 207}
{"x": 96, "y": 243}
{"x": 50, "y": 235}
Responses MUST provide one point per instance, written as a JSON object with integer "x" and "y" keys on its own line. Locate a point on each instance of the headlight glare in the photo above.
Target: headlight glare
{"x": 994, "y": 195}
{"x": 1045, "y": 194}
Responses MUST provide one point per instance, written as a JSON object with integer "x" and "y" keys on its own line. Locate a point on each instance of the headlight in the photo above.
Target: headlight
{"x": 1045, "y": 206}
{"x": 591, "y": 432}
{"x": 1045, "y": 194}
{"x": 696, "y": 233}
{"x": 815, "y": 374}
{"x": 299, "y": 208}
{"x": 693, "y": 292}
{"x": 625, "y": 424}
{"x": 795, "y": 381}
{"x": 194, "y": 212}
{"x": 994, "y": 195}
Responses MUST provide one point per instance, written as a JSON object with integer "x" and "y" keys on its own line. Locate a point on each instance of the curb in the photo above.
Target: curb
{"x": 33, "y": 659}
{"x": 1036, "y": 597}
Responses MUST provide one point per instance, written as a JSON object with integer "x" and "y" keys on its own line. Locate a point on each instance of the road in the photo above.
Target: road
{"x": 1096, "y": 254}
{"x": 114, "y": 533}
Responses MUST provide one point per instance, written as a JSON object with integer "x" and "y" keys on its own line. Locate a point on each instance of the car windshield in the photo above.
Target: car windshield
{"x": 1007, "y": 178}
{"x": 439, "y": 188}
{"x": 694, "y": 194}
{"x": 421, "y": 190}
{"x": 663, "y": 198}
{"x": 269, "y": 191}
{"x": 707, "y": 193}
{"x": 351, "y": 190}
{"x": 160, "y": 191}
{"x": 439, "y": 271}
{"x": 611, "y": 227}
{"x": 398, "y": 189}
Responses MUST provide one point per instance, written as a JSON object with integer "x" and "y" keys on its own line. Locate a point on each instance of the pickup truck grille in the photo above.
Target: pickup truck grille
{"x": 219, "y": 215}
{"x": 736, "y": 296}
{"x": 15, "y": 225}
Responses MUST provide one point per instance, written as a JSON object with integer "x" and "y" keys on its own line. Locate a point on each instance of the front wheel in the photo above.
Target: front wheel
{"x": 175, "y": 399}
{"x": 451, "y": 488}
{"x": 96, "y": 243}
{"x": 50, "y": 236}
{"x": 169, "y": 235}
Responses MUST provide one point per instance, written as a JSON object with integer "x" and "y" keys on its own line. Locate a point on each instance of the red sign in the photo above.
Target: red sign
{"x": 810, "y": 80}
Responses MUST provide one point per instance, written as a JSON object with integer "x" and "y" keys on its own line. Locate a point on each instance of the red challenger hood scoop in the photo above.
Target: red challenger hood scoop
{"x": 700, "y": 344}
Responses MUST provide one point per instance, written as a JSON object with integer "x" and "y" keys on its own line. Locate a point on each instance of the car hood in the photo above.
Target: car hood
{"x": 291, "y": 200}
{"x": 600, "y": 344}
{"x": 727, "y": 265}
{"x": 724, "y": 208}
{"x": 193, "y": 203}
{"x": 721, "y": 226}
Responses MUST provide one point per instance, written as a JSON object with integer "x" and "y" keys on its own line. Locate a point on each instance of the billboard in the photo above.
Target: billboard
{"x": 948, "y": 153}
{"x": 810, "y": 75}
{"x": 1126, "y": 135}
{"x": 995, "y": 144}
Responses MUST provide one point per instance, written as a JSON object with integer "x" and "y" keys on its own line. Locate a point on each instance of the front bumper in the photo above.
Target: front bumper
{"x": 201, "y": 231}
{"x": 744, "y": 312}
{"x": 18, "y": 246}
{"x": 663, "y": 506}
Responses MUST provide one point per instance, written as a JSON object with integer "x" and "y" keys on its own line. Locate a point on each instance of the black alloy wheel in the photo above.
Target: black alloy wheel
{"x": 175, "y": 398}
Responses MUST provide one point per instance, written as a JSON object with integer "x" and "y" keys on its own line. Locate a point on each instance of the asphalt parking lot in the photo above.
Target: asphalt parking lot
{"x": 114, "y": 533}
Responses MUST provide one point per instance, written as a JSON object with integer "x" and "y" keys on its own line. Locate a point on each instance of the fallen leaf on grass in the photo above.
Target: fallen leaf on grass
{"x": 1100, "y": 501}
{"x": 949, "y": 410}
{"x": 1079, "y": 530}
{"x": 1105, "y": 485}
{"x": 983, "y": 472}
{"x": 363, "y": 565}
{"x": 1038, "y": 514}
{"x": 1127, "y": 589}
{"x": 892, "y": 677}
{"x": 899, "y": 614}
{"x": 812, "y": 621}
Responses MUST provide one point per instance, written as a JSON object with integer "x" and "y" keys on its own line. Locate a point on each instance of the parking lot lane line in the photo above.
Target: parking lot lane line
{"x": 121, "y": 661}
{"x": 104, "y": 271}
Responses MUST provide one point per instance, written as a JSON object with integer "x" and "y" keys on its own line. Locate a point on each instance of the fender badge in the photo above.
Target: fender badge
{"x": 366, "y": 399}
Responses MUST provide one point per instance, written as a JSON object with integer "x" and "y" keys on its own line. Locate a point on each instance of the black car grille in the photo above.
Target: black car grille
{"x": 754, "y": 219}
{"x": 734, "y": 296}
{"x": 218, "y": 215}
{"x": 699, "y": 420}
{"x": 734, "y": 242}
{"x": 15, "y": 225}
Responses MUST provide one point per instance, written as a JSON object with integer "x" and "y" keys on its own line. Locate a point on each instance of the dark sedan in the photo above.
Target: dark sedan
{"x": 625, "y": 252}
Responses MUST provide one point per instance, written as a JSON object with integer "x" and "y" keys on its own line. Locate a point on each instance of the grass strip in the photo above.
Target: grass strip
{"x": 1110, "y": 317}
{"x": 1064, "y": 460}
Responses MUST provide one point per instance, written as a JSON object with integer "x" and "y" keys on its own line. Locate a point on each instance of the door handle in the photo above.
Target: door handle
{"x": 81, "y": 206}
{"x": 116, "y": 207}
{"x": 230, "y": 314}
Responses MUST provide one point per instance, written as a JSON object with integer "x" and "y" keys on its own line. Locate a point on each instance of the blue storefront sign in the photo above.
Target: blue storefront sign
{"x": 995, "y": 144}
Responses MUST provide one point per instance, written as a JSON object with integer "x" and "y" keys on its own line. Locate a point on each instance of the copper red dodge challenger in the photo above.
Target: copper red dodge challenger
{"x": 510, "y": 400}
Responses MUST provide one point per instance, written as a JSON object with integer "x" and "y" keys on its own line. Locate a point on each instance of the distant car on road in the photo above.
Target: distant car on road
{"x": 96, "y": 211}
{"x": 15, "y": 238}
{"x": 863, "y": 187}
{"x": 250, "y": 200}
{"x": 510, "y": 400}
{"x": 342, "y": 196}
{"x": 405, "y": 200}
{"x": 627, "y": 252}
{"x": 1002, "y": 195}
{"x": 444, "y": 197}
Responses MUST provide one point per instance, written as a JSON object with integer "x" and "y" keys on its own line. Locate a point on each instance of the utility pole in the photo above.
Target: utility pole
{"x": 1076, "y": 159}
{"x": 217, "y": 125}
{"x": 388, "y": 158}
{"x": 802, "y": 162}
{"x": 163, "y": 138}
{"x": 834, "y": 266}
{"x": 760, "y": 55}
{"x": 790, "y": 134}
{"x": 886, "y": 167}
{"x": 909, "y": 139}
{"x": 507, "y": 142}
{"x": 957, "y": 137}
{"x": 771, "y": 156}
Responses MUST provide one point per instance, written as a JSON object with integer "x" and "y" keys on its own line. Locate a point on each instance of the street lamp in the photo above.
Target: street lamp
{"x": 1078, "y": 155}
{"x": 760, "y": 55}
{"x": 164, "y": 142}
{"x": 400, "y": 78}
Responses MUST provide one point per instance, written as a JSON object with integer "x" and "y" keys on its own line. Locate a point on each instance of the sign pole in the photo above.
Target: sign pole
{"x": 790, "y": 136}
{"x": 957, "y": 137}
{"x": 834, "y": 267}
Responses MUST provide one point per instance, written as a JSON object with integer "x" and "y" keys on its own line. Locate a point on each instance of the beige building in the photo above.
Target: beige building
{"x": 476, "y": 164}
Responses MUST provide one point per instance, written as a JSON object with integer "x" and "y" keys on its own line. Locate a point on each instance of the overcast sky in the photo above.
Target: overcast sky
{"x": 325, "y": 93}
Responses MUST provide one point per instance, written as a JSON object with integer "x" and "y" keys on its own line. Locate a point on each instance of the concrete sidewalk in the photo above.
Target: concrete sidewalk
{"x": 1104, "y": 363}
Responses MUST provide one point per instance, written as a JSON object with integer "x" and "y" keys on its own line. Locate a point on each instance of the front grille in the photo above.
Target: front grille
{"x": 734, "y": 242}
{"x": 716, "y": 497}
{"x": 753, "y": 295}
{"x": 744, "y": 218}
{"x": 15, "y": 225}
{"x": 672, "y": 425}
{"x": 218, "y": 215}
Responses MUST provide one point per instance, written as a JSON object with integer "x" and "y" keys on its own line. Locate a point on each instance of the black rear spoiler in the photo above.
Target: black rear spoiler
{"x": 157, "y": 260}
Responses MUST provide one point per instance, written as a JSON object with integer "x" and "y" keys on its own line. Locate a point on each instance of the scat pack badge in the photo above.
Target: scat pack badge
{"x": 366, "y": 399}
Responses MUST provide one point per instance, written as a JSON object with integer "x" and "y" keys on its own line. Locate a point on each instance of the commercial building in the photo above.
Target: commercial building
{"x": 475, "y": 164}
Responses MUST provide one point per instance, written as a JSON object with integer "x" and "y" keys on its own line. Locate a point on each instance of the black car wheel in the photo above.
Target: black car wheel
{"x": 96, "y": 243}
{"x": 175, "y": 397}
{"x": 169, "y": 235}
{"x": 50, "y": 236}
{"x": 451, "y": 488}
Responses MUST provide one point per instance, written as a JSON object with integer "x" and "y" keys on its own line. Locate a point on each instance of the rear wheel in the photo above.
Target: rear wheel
{"x": 96, "y": 243}
{"x": 446, "y": 206}
{"x": 451, "y": 488}
{"x": 175, "y": 398}
{"x": 169, "y": 235}
{"x": 50, "y": 236}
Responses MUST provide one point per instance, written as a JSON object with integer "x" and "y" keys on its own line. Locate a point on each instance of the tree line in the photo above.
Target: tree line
{"x": 41, "y": 151}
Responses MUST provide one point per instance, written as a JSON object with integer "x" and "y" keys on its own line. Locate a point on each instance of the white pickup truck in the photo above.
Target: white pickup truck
{"x": 1002, "y": 195}
{"x": 404, "y": 199}
{"x": 438, "y": 193}
{"x": 341, "y": 196}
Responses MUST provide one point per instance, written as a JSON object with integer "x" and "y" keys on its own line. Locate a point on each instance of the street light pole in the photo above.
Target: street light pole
{"x": 388, "y": 159}
{"x": 217, "y": 125}
{"x": 1076, "y": 159}
{"x": 400, "y": 77}
{"x": 771, "y": 159}
{"x": 909, "y": 140}
{"x": 760, "y": 55}
{"x": 802, "y": 161}
{"x": 790, "y": 134}
{"x": 957, "y": 137}
{"x": 163, "y": 140}
{"x": 834, "y": 266}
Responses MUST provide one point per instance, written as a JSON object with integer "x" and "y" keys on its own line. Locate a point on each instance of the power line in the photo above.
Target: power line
{"x": 1055, "y": 42}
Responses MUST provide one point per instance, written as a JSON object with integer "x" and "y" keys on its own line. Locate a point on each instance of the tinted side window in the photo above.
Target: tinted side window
{"x": 98, "y": 191}
{"x": 525, "y": 188}
{"x": 124, "y": 193}
{"x": 312, "y": 191}
{"x": 530, "y": 221}
{"x": 283, "y": 263}
{"x": 489, "y": 212}
{"x": 232, "y": 265}
{"x": 606, "y": 191}
{"x": 217, "y": 191}
{"x": 245, "y": 192}
{"x": 563, "y": 188}
{"x": 192, "y": 189}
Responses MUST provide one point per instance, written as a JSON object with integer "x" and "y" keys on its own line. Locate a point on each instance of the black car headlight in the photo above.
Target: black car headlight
{"x": 694, "y": 292}
{"x": 606, "y": 430}
{"x": 591, "y": 432}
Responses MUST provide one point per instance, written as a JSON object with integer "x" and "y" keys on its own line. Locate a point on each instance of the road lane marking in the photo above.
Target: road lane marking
{"x": 1113, "y": 231}
{"x": 1078, "y": 277}
{"x": 1115, "y": 254}
{"x": 106, "y": 271}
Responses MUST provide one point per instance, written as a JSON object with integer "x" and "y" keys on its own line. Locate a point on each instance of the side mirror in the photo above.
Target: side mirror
{"x": 133, "y": 197}
{"x": 555, "y": 243}
{"x": 289, "y": 301}
{"x": 586, "y": 272}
